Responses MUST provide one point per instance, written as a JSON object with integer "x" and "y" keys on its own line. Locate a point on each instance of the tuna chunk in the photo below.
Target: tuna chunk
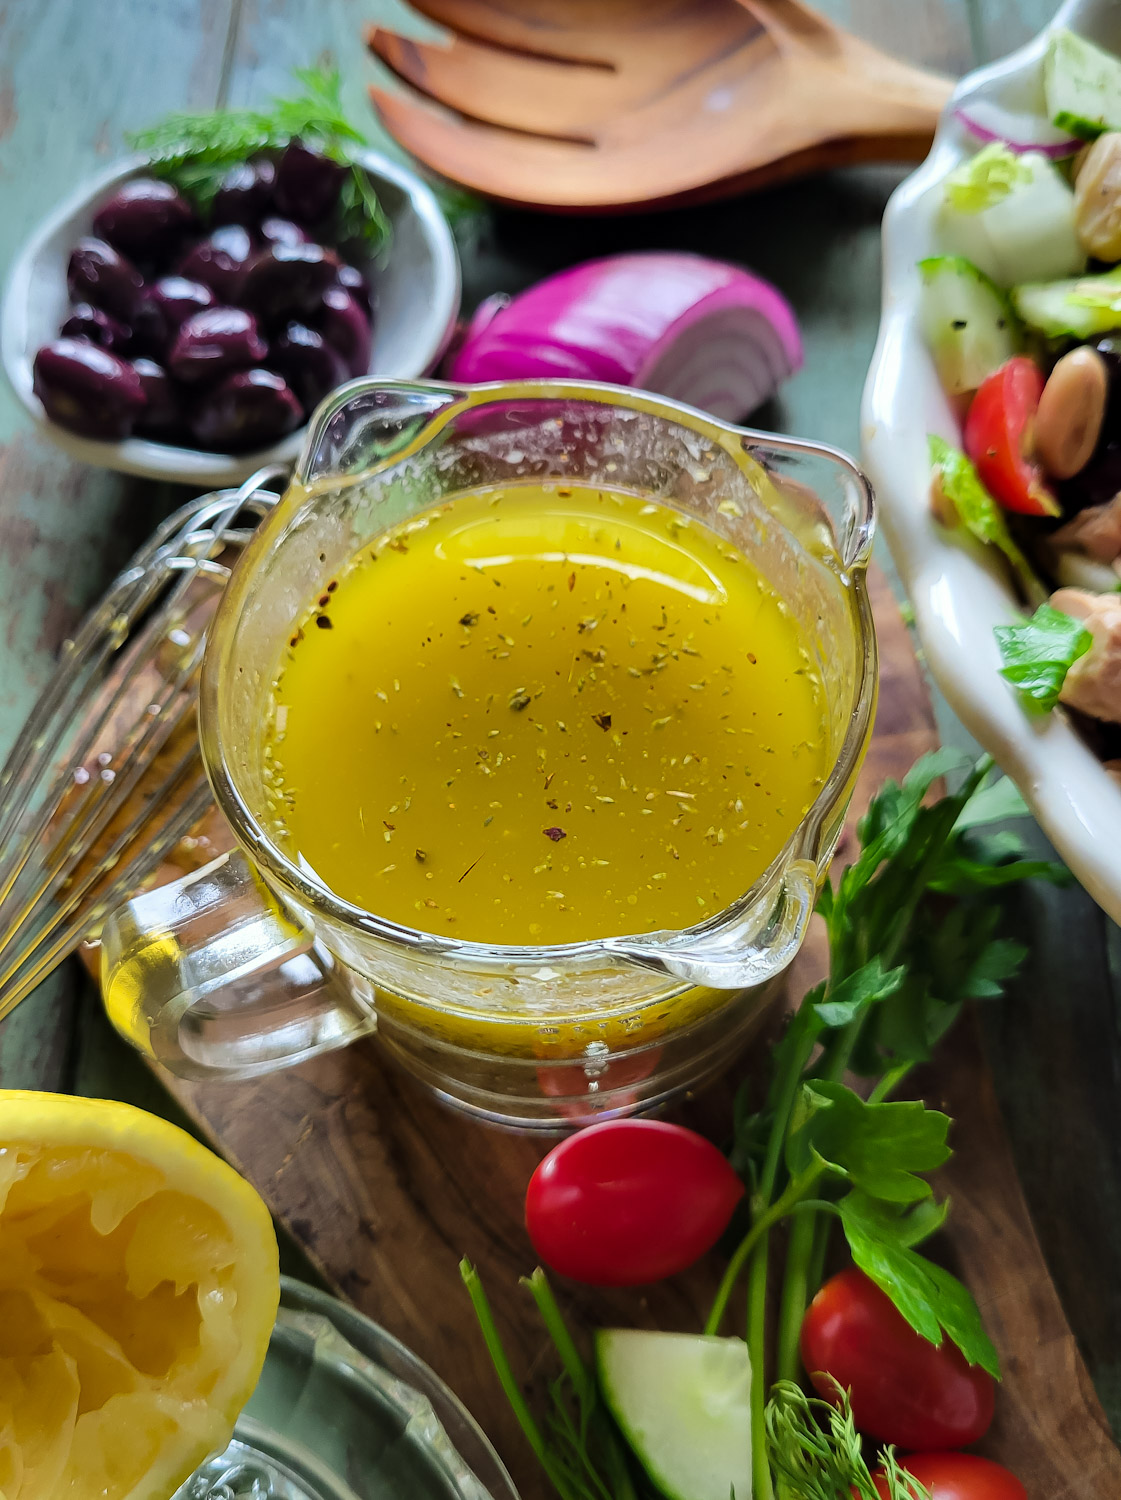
{"x": 1093, "y": 684}
{"x": 1096, "y": 531}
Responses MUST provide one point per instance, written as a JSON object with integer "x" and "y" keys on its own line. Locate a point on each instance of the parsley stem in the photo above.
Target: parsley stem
{"x": 761, "y": 1486}
{"x": 889, "y": 1082}
{"x": 796, "y": 1189}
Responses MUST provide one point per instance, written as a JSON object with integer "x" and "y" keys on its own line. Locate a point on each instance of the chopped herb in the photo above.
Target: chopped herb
{"x": 603, "y": 720}
{"x": 519, "y": 699}
{"x": 1038, "y": 654}
{"x": 196, "y": 151}
{"x": 420, "y": 856}
{"x": 470, "y": 618}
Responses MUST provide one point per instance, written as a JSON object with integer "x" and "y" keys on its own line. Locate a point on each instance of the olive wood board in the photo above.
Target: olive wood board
{"x": 385, "y": 1189}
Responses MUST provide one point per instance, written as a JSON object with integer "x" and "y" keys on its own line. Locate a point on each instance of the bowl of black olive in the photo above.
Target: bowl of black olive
{"x": 146, "y": 334}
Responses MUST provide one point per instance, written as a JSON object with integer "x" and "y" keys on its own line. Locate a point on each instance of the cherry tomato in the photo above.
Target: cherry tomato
{"x": 957, "y": 1476}
{"x": 629, "y": 1202}
{"x": 904, "y": 1390}
{"x": 998, "y": 437}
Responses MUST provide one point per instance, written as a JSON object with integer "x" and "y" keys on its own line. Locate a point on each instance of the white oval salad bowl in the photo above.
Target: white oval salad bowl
{"x": 417, "y": 286}
{"x": 958, "y": 591}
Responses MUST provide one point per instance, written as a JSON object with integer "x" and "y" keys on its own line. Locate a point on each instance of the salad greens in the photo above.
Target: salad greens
{"x": 195, "y": 151}
{"x": 985, "y": 178}
{"x": 912, "y": 935}
{"x": 1038, "y": 654}
{"x": 978, "y": 512}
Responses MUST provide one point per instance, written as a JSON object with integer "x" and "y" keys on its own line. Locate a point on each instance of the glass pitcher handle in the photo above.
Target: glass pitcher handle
{"x": 213, "y": 978}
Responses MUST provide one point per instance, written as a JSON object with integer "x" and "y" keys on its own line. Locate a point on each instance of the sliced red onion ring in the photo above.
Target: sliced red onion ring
{"x": 698, "y": 330}
{"x": 1019, "y": 131}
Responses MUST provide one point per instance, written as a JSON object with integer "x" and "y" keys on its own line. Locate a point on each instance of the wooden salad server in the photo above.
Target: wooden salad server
{"x": 601, "y": 105}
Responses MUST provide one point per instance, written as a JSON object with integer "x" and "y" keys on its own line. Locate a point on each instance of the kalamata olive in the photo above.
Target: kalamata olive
{"x": 97, "y": 274}
{"x": 96, "y": 325}
{"x": 144, "y": 217}
{"x": 179, "y": 299}
{"x": 210, "y": 344}
{"x": 246, "y": 192}
{"x": 164, "y": 415}
{"x": 358, "y": 287}
{"x": 247, "y": 410}
{"x": 276, "y": 231}
{"x": 87, "y": 389}
{"x": 307, "y": 183}
{"x": 308, "y": 363}
{"x": 346, "y": 328}
{"x": 286, "y": 281}
{"x": 220, "y": 261}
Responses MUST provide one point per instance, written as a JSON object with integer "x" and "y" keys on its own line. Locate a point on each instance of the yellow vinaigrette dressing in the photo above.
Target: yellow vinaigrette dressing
{"x": 542, "y": 714}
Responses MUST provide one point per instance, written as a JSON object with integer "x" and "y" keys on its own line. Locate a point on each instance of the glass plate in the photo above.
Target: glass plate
{"x": 344, "y": 1412}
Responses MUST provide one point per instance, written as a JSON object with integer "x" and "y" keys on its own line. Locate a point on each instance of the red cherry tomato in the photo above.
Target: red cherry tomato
{"x": 998, "y": 437}
{"x": 629, "y": 1202}
{"x": 903, "y": 1389}
{"x": 957, "y": 1476}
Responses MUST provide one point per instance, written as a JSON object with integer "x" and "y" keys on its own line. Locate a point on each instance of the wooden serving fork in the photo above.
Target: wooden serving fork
{"x": 605, "y": 105}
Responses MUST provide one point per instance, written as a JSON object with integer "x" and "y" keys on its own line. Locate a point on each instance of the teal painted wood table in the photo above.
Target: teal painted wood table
{"x": 74, "y": 76}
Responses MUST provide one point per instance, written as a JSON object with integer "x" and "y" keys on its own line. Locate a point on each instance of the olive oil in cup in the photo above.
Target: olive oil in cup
{"x": 545, "y": 714}
{"x": 535, "y": 710}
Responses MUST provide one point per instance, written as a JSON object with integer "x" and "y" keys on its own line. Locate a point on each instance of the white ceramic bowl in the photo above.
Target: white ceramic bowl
{"x": 418, "y": 299}
{"x": 957, "y": 592}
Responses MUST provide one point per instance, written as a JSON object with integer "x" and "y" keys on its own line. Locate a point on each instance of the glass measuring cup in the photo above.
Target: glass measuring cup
{"x": 253, "y": 963}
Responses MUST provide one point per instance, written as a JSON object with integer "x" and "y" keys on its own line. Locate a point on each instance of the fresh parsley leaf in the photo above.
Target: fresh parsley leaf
{"x": 903, "y": 1224}
{"x": 929, "y": 1297}
{"x": 976, "y": 510}
{"x": 994, "y": 803}
{"x": 1038, "y": 654}
{"x": 879, "y": 1147}
{"x": 856, "y": 992}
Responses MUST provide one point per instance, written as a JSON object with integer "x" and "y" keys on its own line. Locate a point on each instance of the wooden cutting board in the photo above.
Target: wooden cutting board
{"x": 386, "y": 1190}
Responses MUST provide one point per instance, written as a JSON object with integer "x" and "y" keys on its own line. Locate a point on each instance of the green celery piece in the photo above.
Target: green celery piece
{"x": 929, "y": 1298}
{"x": 979, "y": 513}
{"x": 1038, "y": 654}
{"x": 985, "y": 179}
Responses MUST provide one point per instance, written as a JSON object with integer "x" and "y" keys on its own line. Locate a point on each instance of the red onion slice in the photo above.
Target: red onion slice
{"x": 1019, "y": 131}
{"x": 698, "y": 330}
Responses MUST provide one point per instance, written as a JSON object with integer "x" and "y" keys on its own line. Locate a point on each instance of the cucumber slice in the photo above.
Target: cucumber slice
{"x": 1080, "y": 309}
{"x": 1082, "y": 86}
{"x": 1012, "y": 216}
{"x": 967, "y": 323}
{"x": 683, "y": 1403}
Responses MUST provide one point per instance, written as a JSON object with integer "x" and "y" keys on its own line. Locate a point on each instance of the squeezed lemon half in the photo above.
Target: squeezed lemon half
{"x": 138, "y": 1288}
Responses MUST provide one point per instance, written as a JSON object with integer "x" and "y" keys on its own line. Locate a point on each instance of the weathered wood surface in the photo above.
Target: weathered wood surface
{"x": 385, "y": 1189}
{"x": 73, "y": 76}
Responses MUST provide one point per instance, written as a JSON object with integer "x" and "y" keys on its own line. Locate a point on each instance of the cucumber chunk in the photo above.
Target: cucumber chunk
{"x": 683, "y": 1404}
{"x": 966, "y": 320}
{"x": 1082, "y": 86}
{"x": 1081, "y": 308}
{"x": 1012, "y": 216}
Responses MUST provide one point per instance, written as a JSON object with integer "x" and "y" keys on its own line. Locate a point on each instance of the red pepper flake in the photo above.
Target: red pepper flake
{"x": 603, "y": 720}
{"x": 571, "y": 582}
{"x": 556, "y": 834}
{"x": 333, "y": 585}
{"x": 752, "y": 658}
{"x": 324, "y": 600}
{"x": 391, "y": 826}
{"x": 324, "y": 622}
{"x": 551, "y": 802}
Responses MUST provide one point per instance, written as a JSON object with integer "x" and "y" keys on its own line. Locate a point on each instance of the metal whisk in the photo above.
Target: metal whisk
{"x": 106, "y": 776}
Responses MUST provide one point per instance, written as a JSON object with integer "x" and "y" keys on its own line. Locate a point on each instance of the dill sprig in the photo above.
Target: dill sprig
{"x": 195, "y": 151}
{"x": 816, "y": 1453}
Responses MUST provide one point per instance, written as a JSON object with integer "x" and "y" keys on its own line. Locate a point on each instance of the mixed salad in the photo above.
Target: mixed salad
{"x": 1021, "y": 311}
